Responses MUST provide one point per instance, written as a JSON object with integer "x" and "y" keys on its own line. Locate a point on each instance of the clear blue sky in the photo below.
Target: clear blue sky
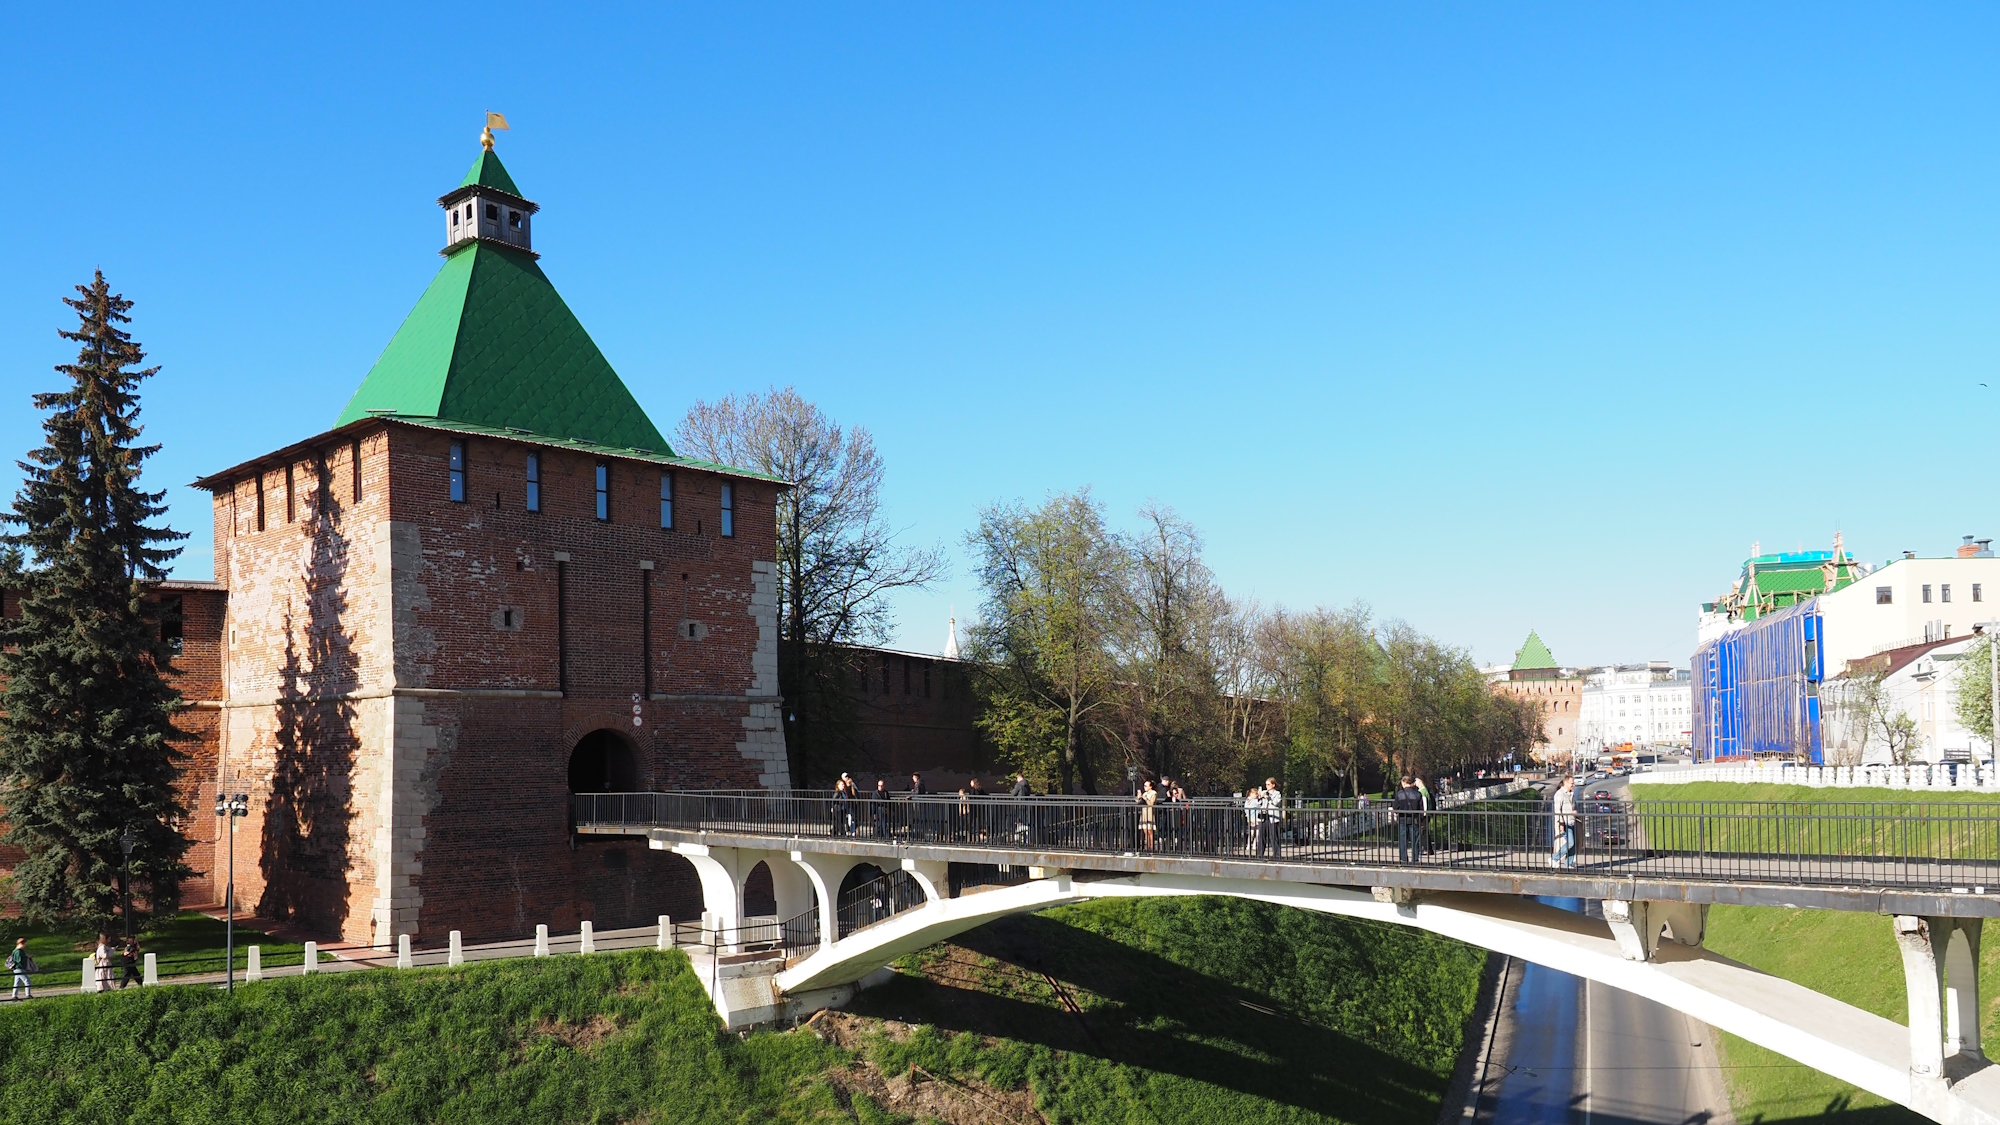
{"x": 1490, "y": 318}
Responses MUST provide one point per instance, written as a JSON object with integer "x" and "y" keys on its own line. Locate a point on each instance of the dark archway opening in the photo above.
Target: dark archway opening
{"x": 604, "y": 761}
{"x": 760, "y": 897}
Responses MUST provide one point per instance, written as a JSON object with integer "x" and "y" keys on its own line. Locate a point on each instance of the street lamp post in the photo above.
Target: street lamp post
{"x": 125, "y": 842}
{"x": 233, "y": 808}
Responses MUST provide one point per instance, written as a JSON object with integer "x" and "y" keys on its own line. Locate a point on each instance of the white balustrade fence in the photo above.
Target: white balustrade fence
{"x": 1931, "y": 777}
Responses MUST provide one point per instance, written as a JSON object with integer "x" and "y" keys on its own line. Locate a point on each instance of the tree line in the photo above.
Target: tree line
{"x": 1099, "y": 651}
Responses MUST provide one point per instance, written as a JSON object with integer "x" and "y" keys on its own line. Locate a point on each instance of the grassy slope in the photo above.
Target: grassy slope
{"x": 1743, "y": 791}
{"x": 1851, "y": 957}
{"x": 1203, "y": 1010}
{"x": 187, "y": 943}
{"x": 623, "y": 1037}
{"x": 1200, "y": 1009}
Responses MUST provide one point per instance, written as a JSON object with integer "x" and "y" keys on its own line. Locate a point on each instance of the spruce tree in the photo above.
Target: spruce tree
{"x": 87, "y": 739}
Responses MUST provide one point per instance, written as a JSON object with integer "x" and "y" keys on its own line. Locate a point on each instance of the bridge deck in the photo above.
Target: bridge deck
{"x": 1943, "y": 863}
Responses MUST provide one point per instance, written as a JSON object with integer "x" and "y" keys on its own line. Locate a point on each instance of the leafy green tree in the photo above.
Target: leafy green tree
{"x": 1327, "y": 672}
{"x": 1175, "y": 714}
{"x": 87, "y": 739}
{"x": 1044, "y": 648}
{"x": 1975, "y": 689}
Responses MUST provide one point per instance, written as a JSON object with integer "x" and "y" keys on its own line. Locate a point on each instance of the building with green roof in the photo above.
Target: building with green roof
{"x": 1538, "y": 680}
{"x": 490, "y": 586}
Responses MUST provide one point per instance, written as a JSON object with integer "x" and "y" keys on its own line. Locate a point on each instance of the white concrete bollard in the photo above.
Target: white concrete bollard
{"x": 589, "y": 944}
{"x": 457, "y": 956}
{"x": 312, "y": 958}
{"x": 90, "y": 973}
{"x": 403, "y": 960}
{"x": 666, "y": 938}
{"x": 256, "y": 970}
{"x": 152, "y": 969}
{"x": 542, "y": 940}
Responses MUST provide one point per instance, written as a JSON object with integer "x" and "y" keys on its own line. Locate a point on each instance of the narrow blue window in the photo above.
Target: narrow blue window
{"x": 458, "y": 471}
{"x": 534, "y": 482}
{"x": 666, "y": 499}
{"x": 604, "y": 492}
{"x": 728, "y": 509}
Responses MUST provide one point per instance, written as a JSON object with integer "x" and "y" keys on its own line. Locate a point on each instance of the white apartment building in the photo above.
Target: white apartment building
{"x": 1906, "y": 602}
{"x": 1648, "y": 704}
{"x": 1921, "y": 681}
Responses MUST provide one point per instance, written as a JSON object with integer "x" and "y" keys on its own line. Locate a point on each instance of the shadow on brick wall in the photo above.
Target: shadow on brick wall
{"x": 308, "y": 823}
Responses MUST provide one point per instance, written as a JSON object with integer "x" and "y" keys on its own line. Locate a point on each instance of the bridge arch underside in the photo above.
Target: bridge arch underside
{"x": 1874, "y": 1053}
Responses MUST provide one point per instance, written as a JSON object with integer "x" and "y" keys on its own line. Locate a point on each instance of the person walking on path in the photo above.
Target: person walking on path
{"x": 1253, "y": 816}
{"x": 1562, "y": 840}
{"x": 878, "y": 805}
{"x": 22, "y": 964}
{"x": 843, "y": 807}
{"x": 1274, "y": 816}
{"x": 1424, "y": 825}
{"x": 101, "y": 961}
{"x": 1409, "y": 805}
{"x": 1148, "y": 798}
{"x": 128, "y": 963}
{"x": 919, "y": 822}
{"x": 1020, "y": 793}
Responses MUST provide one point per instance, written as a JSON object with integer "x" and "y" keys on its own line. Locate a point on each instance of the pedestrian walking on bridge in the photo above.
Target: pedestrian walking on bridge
{"x": 1273, "y": 817}
{"x": 1562, "y": 841}
{"x": 1409, "y": 805}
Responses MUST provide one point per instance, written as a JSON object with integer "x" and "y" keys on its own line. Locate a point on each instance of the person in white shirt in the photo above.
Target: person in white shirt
{"x": 1563, "y": 839}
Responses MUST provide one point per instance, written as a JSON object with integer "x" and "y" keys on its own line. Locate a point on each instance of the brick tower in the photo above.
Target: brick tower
{"x": 490, "y": 585}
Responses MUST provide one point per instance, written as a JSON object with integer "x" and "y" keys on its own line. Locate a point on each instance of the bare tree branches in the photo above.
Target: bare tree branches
{"x": 837, "y": 559}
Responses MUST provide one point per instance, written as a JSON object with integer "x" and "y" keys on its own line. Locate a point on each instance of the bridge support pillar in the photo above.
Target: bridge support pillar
{"x": 721, "y": 883}
{"x": 826, "y": 873}
{"x": 934, "y": 875}
{"x": 1941, "y": 975}
{"x": 1638, "y": 925}
{"x": 1941, "y": 978}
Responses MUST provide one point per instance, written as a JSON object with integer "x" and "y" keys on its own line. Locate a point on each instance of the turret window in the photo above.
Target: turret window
{"x": 728, "y": 509}
{"x": 514, "y": 219}
{"x": 458, "y": 472}
{"x": 534, "y": 482}
{"x": 603, "y": 492}
{"x": 667, "y": 500}
{"x": 493, "y": 212}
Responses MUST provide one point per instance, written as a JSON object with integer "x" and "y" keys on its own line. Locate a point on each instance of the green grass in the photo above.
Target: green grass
{"x": 1195, "y": 1009}
{"x": 1884, "y": 822}
{"x": 187, "y": 943}
{"x": 611, "y": 1038}
{"x": 1849, "y": 956}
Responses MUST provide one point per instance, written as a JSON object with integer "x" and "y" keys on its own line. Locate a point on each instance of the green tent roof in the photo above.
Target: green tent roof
{"x": 1533, "y": 654}
{"x": 491, "y": 343}
{"x": 487, "y": 171}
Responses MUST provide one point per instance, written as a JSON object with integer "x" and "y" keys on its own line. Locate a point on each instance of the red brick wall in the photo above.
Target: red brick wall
{"x": 397, "y": 646}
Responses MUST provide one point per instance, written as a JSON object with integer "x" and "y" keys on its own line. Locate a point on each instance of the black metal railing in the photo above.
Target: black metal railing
{"x": 1914, "y": 843}
{"x": 878, "y": 899}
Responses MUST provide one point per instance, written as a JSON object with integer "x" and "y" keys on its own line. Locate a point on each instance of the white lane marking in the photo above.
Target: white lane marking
{"x": 1588, "y": 1083}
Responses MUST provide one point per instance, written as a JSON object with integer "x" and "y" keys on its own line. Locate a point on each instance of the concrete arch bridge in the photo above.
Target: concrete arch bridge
{"x": 859, "y": 883}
